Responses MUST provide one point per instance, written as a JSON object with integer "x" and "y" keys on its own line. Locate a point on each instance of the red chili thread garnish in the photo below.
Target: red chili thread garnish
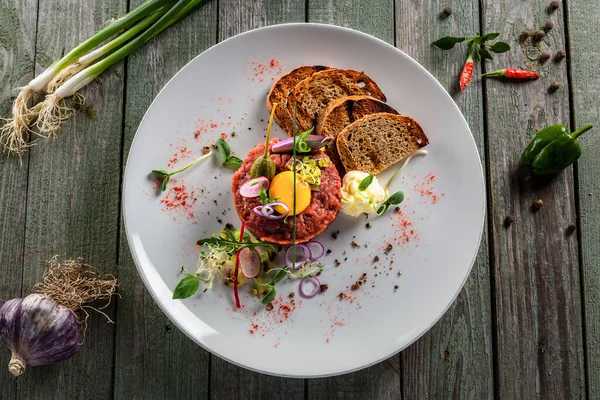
{"x": 237, "y": 267}
{"x": 467, "y": 73}
{"x": 513, "y": 73}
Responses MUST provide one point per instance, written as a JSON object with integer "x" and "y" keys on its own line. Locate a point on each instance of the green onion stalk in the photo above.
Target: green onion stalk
{"x": 53, "y": 110}
{"x": 14, "y": 134}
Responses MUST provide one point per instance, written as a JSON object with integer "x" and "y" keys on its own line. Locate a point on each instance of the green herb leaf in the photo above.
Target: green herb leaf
{"x": 491, "y": 36}
{"x": 186, "y": 287}
{"x": 160, "y": 173}
{"x": 223, "y": 150}
{"x": 447, "y": 42}
{"x": 282, "y": 273}
{"x": 475, "y": 53}
{"x": 232, "y": 162}
{"x": 382, "y": 209}
{"x": 500, "y": 47}
{"x": 165, "y": 181}
{"x": 485, "y": 54}
{"x": 364, "y": 184}
{"x": 396, "y": 198}
{"x": 269, "y": 296}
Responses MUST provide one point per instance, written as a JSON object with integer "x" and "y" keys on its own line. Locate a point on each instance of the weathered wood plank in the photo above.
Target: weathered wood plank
{"x": 153, "y": 358}
{"x": 18, "y": 20}
{"x": 455, "y": 358}
{"x": 227, "y": 380}
{"x": 72, "y": 204}
{"x": 536, "y": 266}
{"x": 584, "y": 55}
{"x": 382, "y": 380}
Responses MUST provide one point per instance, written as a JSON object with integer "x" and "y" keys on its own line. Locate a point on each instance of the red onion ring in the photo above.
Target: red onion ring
{"x": 314, "y": 292}
{"x": 299, "y": 259}
{"x": 268, "y": 210}
{"x": 317, "y": 250}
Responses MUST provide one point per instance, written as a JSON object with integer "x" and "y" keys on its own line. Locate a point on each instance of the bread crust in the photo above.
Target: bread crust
{"x": 314, "y": 93}
{"x": 280, "y": 90}
{"x": 411, "y": 133}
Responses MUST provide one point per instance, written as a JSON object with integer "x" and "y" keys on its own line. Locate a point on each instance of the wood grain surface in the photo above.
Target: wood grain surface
{"x": 527, "y": 323}
{"x": 18, "y": 21}
{"x": 455, "y": 358}
{"x": 73, "y": 196}
{"x": 584, "y": 62}
{"x": 535, "y": 265}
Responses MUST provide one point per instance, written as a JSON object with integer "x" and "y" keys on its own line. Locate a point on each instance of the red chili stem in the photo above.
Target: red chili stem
{"x": 235, "y": 273}
{"x": 513, "y": 73}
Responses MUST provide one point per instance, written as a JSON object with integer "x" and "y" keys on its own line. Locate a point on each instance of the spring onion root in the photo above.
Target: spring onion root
{"x": 14, "y": 135}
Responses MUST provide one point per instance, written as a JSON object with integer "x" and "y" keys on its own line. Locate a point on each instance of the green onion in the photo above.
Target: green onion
{"x": 53, "y": 110}
{"x": 14, "y": 134}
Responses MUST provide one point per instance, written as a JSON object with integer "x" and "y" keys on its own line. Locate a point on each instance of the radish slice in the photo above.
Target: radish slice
{"x": 253, "y": 186}
{"x": 302, "y": 255}
{"x": 307, "y": 292}
{"x": 316, "y": 250}
{"x": 250, "y": 262}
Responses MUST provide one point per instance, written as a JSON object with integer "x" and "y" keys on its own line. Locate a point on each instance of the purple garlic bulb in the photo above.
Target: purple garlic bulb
{"x": 38, "y": 331}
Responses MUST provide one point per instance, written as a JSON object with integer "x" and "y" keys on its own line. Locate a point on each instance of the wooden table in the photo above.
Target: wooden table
{"x": 527, "y": 323}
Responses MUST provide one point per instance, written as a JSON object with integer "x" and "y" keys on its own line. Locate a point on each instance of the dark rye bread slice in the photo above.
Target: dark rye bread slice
{"x": 376, "y": 141}
{"x": 314, "y": 93}
{"x": 340, "y": 113}
{"x": 280, "y": 90}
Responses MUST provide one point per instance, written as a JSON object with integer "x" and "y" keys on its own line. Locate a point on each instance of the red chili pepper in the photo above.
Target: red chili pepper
{"x": 513, "y": 73}
{"x": 235, "y": 273}
{"x": 467, "y": 73}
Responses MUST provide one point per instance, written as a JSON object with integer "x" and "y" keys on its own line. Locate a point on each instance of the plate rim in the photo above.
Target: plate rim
{"x": 164, "y": 307}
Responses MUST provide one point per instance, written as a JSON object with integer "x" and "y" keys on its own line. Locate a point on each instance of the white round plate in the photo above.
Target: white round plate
{"x": 434, "y": 238}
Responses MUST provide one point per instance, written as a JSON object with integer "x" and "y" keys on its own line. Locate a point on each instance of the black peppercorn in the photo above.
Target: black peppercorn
{"x": 560, "y": 55}
{"x": 539, "y": 35}
{"x": 554, "y": 87}
{"x": 549, "y": 25}
{"x": 554, "y": 6}
{"x": 538, "y": 204}
{"x": 544, "y": 56}
{"x": 509, "y": 220}
{"x": 446, "y": 12}
{"x": 525, "y": 35}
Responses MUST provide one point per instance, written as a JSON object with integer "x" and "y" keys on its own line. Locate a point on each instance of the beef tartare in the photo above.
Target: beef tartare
{"x": 319, "y": 213}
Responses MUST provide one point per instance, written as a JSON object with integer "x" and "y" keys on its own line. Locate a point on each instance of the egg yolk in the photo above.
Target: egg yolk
{"x": 282, "y": 188}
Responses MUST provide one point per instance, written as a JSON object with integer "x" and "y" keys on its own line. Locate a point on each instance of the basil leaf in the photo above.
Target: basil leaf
{"x": 186, "y": 287}
{"x": 269, "y": 296}
{"x": 223, "y": 151}
{"x": 165, "y": 181}
{"x": 396, "y": 198}
{"x": 447, "y": 42}
{"x": 485, "y": 54}
{"x": 232, "y": 162}
{"x": 500, "y": 47}
{"x": 491, "y": 36}
{"x": 364, "y": 184}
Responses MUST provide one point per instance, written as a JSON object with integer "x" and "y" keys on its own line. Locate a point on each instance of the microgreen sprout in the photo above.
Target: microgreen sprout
{"x": 394, "y": 199}
{"x": 224, "y": 156}
{"x": 165, "y": 176}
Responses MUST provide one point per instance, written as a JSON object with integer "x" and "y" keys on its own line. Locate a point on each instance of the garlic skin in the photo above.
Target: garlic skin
{"x": 38, "y": 331}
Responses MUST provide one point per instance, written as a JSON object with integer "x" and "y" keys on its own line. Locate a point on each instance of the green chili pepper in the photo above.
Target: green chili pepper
{"x": 553, "y": 149}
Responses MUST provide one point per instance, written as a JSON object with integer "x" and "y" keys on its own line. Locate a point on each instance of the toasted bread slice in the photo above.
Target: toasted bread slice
{"x": 280, "y": 90}
{"x": 314, "y": 93}
{"x": 340, "y": 113}
{"x": 376, "y": 141}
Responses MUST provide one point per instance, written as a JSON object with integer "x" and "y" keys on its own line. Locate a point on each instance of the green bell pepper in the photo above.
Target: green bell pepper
{"x": 553, "y": 149}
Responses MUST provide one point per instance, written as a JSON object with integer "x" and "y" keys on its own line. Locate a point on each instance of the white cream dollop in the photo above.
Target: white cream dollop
{"x": 354, "y": 201}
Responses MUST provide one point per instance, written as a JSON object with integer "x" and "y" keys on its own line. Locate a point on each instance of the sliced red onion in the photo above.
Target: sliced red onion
{"x": 250, "y": 262}
{"x": 313, "y": 142}
{"x": 254, "y": 186}
{"x": 268, "y": 210}
{"x": 316, "y": 249}
{"x": 310, "y": 293}
{"x": 302, "y": 255}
